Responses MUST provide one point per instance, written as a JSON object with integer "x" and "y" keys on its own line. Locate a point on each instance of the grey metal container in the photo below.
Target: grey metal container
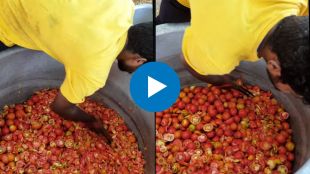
{"x": 168, "y": 50}
{"x": 25, "y": 71}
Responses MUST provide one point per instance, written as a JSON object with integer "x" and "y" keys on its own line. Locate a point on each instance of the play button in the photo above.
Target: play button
{"x": 154, "y": 86}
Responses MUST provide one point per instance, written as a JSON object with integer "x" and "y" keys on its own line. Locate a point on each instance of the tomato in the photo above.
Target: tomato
{"x": 208, "y": 127}
{"x": 280, "y": 138}
{"x": 211, "y": 134}
{"x": 186, "y": 100}
{"x": 212, "y": 111}
{"x": 185, "y": 123}
{"x": 202, "y": 138}
{"x": 10, "y": 157}
{"x": 194, "y": 137}
{"x": 36, "y": 125}
{"x": 265, "y": 146}
{"x": 233, "y": 126}
{"x": 5, "y": 131}
{"x": 171, "y": 130}
{"x": 211, "y": 98}
{"x": 186, "y": 134}
{"x": 193, "y": 108}
{"x": 10, "y": 116}
{"x": 5, "y": 159}
{"x": 181, "y": 105}
{"x": 180, "y": 156}
{"x": 239, "y": 155}
{"x": 12, "y": 128}
{"x": 2, "y": 122}
{"x": 290, "y": 146}
{"x": 242, "y": 113}
{"x": 165, "y": 122}
{"x": 233, "y": 111}
{"x": 199, "y": 126}
{"x": 20, "y": 114}
{"x": 191, "y": 127}
{"x": 207, "y": 118}
{"x": 290, "y": 156}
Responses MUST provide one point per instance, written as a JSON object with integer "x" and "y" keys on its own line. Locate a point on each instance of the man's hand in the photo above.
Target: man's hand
{"x": 98, "y": 128}
{"x": 70, "y": 111}
{"x": 223, "y": 81}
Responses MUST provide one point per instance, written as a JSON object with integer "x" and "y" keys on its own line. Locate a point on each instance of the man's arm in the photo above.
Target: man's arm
{"x": 70, "y": 111}
{"x": 211, "y": 79}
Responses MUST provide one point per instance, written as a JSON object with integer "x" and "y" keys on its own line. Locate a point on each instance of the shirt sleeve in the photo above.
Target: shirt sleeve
{"x": 77, "y": 86}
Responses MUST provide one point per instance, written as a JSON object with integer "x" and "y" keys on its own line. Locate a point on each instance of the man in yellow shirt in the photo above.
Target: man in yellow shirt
{"x": 85, "y": 36}
{"x": 223, "y": 33}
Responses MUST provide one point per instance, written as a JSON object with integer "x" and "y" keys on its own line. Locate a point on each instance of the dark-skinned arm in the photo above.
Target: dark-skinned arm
{"x": 70, "y": 111}
{"x": 211, "y": 79}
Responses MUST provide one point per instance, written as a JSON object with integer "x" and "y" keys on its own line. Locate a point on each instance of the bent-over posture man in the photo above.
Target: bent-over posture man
{"x": 85, "y": 36}
{"x": 223, "y": 33}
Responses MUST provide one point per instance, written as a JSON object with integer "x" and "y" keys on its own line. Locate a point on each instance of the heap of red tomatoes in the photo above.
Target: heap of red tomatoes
{"x": 36, "y": 140}
{"x": 215, "y": 130}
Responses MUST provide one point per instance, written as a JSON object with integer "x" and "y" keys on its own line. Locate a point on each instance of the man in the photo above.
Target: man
{"x": 223, "y": 33}
{"x": 85, "y": 36}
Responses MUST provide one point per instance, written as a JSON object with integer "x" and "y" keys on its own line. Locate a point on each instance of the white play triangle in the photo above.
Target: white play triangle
{"x": 153, "y": 86}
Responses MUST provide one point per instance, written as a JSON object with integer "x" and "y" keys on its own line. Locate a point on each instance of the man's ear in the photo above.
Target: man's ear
{"x": 274, "y": 68}
{"x": 138, "y": 59}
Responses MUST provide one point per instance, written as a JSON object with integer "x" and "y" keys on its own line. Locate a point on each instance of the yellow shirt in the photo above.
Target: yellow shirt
{"x": 223, "y": 33}
{"x": 86, "y": 36}
{"x": 184, "y": 3}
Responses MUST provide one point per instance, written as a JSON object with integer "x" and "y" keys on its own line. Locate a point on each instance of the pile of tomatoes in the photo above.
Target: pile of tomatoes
{"x": 214, "y": 130}
{"x": 36, "y": 140}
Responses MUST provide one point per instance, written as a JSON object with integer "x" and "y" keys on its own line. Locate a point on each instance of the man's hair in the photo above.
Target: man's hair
{"x": 290, "y": 41}
{"x": 141, "y": 40}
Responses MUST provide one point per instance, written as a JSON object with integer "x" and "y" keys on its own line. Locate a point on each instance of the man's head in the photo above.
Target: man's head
{"x": 287, "y": 55}
{"x": 139, "y": 48}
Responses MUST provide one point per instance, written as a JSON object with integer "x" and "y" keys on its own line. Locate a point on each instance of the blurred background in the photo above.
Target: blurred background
{"x": 142, "y": 1}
